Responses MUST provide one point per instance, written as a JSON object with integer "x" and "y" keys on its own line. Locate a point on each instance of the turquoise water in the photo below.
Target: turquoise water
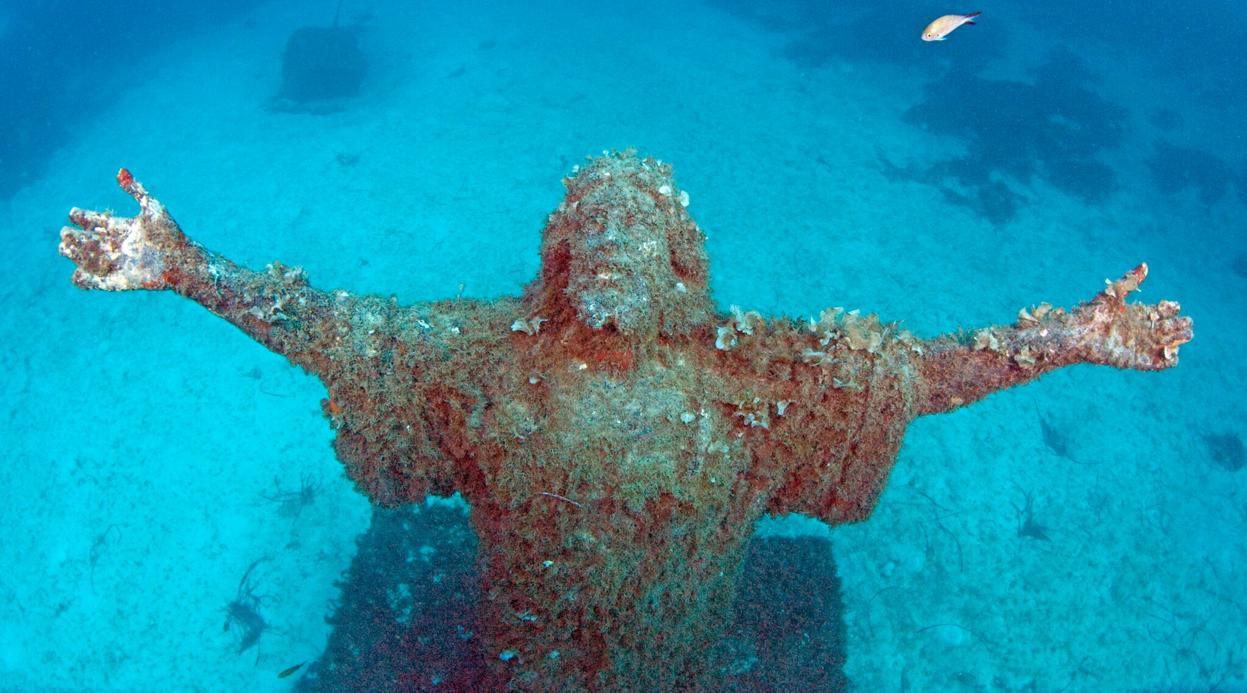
{"x": 832, "y": 157}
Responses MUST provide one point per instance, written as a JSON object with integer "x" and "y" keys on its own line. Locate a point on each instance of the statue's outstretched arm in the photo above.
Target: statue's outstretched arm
{"x": 958, "y": 369}
{"x": 149, "y": 251}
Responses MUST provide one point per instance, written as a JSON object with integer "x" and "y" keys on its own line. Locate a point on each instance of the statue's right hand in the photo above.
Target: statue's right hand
{"x": 123, "y": 253}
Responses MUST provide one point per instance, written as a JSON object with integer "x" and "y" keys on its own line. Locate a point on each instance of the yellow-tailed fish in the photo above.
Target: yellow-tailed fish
{"x": 942, "y": 27}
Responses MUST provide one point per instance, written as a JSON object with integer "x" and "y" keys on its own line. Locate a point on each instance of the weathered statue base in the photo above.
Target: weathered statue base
{"x": 616, "y": 437}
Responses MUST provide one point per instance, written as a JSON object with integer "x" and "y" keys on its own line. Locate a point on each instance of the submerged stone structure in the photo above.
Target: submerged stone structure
{"x": 615, "y": 435}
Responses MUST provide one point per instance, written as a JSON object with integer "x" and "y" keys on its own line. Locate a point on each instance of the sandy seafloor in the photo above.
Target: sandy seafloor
{"x": 141, "y": 434}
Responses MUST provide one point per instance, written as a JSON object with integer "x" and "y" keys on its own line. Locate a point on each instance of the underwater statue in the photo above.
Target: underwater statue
{"x": 616, "y": 437}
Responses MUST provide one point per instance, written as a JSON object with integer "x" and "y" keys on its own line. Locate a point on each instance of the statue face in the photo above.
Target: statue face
{"x": 623, "y": 254}
{"x": 618, "y": 266}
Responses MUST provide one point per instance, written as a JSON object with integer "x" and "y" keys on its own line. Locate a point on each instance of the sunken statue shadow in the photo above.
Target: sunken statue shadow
{"x": 406, "y": 619}
{"x": 616, "y": 437}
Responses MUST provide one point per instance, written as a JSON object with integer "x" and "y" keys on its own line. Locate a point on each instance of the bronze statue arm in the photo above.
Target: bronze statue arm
{"x": 955, "y": 370}
{"x": 277, "y": 307}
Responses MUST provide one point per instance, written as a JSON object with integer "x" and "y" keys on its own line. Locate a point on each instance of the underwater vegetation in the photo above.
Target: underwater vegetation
{"x": 616, "y": 437}
{"x": 1175, "y": 169}
{"x": 1206, "y": 38}
{"x": 1028, "y": 526}
{"x": 1166, "y": 119}
{"x": 1241, "y": 183}
{"x": 1239, "y": 265}
{"x": 816, "y": 34}
{"x": 291, "y": 502}
{"x": 242, "y": 614}
{"x": 1053, "y": 128}
{"x": 1226, "y": 450}
{"x": 1055, "y": 439}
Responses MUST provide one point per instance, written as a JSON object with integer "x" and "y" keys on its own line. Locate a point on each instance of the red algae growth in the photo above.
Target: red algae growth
{"x": 615, "y": 436}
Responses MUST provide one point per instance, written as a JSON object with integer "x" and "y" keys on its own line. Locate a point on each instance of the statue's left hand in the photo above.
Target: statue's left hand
{"x": 1130, "y": 335}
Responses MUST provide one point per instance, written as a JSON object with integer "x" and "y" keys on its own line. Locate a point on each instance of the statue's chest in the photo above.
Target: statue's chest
{"x": 635, "y": 438}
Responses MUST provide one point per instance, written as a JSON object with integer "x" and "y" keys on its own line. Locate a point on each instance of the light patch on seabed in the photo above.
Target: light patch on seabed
{"x": 11, "y": 655}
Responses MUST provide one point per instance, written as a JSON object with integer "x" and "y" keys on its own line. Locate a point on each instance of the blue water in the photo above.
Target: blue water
{"x": 832, "y": 157}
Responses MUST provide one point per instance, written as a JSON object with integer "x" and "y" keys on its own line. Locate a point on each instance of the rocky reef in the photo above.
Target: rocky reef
{"x": 616, "y": 437}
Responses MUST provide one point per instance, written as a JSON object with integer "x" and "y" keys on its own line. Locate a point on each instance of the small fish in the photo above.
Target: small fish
{"x": 290, "y": 670}
{"x": 942, "y": 27}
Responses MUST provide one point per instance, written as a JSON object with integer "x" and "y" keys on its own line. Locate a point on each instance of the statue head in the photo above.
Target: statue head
{"x": 622, "y": 254}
